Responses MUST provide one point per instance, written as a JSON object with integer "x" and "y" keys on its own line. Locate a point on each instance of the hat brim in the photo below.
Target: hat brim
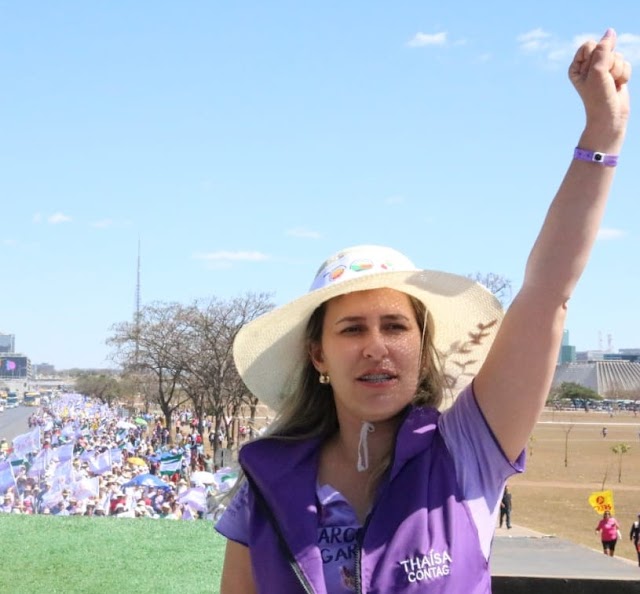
{"x": 269, "y": 352}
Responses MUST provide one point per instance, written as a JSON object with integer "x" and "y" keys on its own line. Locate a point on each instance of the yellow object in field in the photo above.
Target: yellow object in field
{"x": 602, "y": 501}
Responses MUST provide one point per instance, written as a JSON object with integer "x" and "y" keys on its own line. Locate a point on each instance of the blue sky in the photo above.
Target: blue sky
{"x": 244, "y": 142}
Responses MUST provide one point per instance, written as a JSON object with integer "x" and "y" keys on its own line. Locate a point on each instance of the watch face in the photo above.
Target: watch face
{"x": 597, "y": 156}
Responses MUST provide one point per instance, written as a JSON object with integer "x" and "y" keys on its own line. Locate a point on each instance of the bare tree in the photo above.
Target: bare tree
{"x": 499, "y": 285}
{"x": 151, "y": 347}
{"x": 567, "y": 429}
{"x": 210, "y": 378}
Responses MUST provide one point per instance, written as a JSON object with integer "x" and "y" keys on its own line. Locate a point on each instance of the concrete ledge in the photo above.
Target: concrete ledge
{"x": 525, "y": 561}
{"x": 530, "y": 585}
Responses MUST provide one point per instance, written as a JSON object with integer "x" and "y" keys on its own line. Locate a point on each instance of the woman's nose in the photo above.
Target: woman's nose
{"x": 376, "y": 346}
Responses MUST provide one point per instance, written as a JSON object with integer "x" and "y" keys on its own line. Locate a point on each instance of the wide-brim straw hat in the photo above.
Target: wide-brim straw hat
{"x": 270, "y": 352}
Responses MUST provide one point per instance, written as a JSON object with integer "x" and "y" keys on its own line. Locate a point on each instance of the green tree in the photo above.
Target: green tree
{"x": 577, "y": 393}
{"x": 104, "y": 387}
{"x": 620, "y": 449}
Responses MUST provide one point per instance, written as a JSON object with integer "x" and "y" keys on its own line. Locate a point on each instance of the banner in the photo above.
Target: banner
{"x": 195, "y": 498}
{"x": 602, "y": 501}
{"x": 116, "y": 456}
{"x": 65, "y": 471}
{"x": 224, "y": 479}
{"x": 64, "y": 453}
{"x": 86, "y": 488}
{"x": 100, "y": 463}
{"x": 171, "y": 464}
{"x": 27, "y": 442}
{"x": 40, "y": 463}
{"x": 7, "y": 479}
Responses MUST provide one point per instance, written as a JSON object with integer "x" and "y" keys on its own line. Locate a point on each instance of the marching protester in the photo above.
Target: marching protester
{"x": 361, "y": 483}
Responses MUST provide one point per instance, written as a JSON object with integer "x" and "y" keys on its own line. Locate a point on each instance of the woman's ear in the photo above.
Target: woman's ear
{"x": 316, "y": 356}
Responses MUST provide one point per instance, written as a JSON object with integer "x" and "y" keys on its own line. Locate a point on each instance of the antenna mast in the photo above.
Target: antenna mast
{"x": 137, "y": 312}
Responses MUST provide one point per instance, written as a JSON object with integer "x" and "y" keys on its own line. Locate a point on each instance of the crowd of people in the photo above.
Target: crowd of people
{"x": 81, "y": 457}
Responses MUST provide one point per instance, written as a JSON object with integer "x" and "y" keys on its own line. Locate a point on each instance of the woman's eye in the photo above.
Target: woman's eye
{"x": 351, "y": 330}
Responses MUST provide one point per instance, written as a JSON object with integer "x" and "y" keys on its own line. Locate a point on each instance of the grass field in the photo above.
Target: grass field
{"x": 553, "y": 499}
{"x": 78, "y": 555}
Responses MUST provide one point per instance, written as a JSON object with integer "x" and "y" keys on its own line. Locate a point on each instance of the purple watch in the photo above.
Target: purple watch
{"x": 595, "y": 157}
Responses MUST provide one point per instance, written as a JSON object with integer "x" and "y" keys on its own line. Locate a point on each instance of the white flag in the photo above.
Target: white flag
{"x": 101, "y": 463}
{"x": 86, "y": 488}
{"x": 195, "y": 498}
{"x": 7, "y": 478}
{"x": 26, "y": 443}
{"x": 64, "y": 453}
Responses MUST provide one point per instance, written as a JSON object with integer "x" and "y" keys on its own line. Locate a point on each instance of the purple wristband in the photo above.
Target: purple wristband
{"x": 595, "y": 157}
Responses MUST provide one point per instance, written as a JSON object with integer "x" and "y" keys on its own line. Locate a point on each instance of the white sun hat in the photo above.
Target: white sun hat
{"x": 270, "y": 352}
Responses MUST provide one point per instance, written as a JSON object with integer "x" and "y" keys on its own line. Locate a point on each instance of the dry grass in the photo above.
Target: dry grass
{"x": 553, "y": 499}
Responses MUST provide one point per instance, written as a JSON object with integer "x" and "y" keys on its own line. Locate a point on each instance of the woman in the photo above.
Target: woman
{"x": 609, "y": 530}
{"x": 361, "y": 484}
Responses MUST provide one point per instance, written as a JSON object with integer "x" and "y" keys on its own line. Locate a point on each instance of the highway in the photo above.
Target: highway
{"x": 13, "y": 421}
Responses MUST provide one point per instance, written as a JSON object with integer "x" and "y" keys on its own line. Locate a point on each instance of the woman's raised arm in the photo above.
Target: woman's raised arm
{"x": 514, "y": 382}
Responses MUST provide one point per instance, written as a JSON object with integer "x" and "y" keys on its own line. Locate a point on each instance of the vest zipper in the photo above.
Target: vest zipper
{"x": 358, "y": 570}
{"x": 362, "y": 531}
{"x": 291, "y": 560}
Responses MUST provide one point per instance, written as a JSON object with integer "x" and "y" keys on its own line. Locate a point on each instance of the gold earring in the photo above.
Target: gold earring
{"x": 324, "y": 378}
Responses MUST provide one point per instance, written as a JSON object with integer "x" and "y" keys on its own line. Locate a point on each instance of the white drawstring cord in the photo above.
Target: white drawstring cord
{"x": 363, "y": 446}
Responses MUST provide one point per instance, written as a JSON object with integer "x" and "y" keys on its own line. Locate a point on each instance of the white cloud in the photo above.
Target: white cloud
{"x": 611, "y": 234}
{"x": 560, "y": 51}
{"x": 534, "y": 40}
{"x": 229, "y": 257}
{"x": 303, "y": 233}
{"x": 58, "y": 218}
{"x": 394, "y": 200}
{"x": 424, "y": 39}
{"x": 629, "y": 45}
{"x": 37, "y": 217}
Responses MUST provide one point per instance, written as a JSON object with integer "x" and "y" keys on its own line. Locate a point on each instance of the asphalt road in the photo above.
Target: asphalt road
{"x": 13, "y": 422}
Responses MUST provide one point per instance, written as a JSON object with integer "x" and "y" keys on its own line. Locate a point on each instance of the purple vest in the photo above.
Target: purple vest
{"x": 419, "y": 536}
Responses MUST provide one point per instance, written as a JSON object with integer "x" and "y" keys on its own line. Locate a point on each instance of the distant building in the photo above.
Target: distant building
{"x": 43, "y": 370}
{"x": 630, "y": 354}
{"x": 14, "y": 367}
{"x": 595, "y": 355}
{"x": 7, "y": 343}
{"x": 609, "y": 378}
{"x": 567, "y": 353}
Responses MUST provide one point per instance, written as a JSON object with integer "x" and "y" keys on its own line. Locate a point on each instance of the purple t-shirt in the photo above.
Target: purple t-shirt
{"x": 481, "y": 470}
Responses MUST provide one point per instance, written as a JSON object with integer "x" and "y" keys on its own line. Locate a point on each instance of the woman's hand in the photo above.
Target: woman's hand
{"x": 600, "y": 75}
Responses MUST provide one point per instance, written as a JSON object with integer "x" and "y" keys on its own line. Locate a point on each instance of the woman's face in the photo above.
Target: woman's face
{"x": 370, "y": 348}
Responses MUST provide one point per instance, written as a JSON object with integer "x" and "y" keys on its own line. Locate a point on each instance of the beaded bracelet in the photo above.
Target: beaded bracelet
{"x": 595, "y": 157}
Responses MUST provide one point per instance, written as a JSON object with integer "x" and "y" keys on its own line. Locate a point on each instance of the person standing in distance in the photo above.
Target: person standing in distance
{"x": 634, "y": 536}
{"x": 505, "y": 507}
